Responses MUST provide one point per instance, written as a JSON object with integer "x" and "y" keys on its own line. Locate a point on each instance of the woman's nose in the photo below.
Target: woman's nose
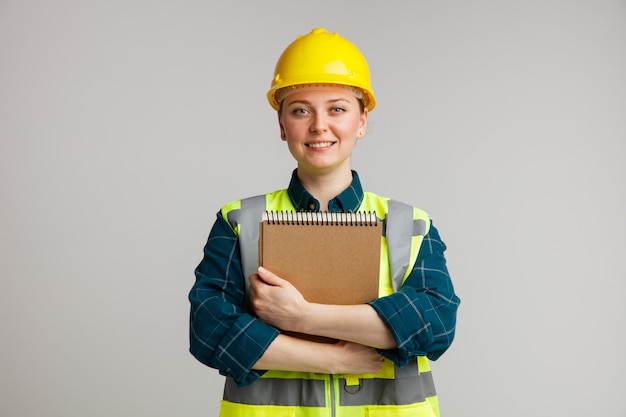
{"x": 319, "y": 123}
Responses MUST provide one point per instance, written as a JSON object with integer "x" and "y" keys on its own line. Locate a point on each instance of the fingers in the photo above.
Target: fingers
{"x": 269, "y": 277}
{"x": 358, "y": 359}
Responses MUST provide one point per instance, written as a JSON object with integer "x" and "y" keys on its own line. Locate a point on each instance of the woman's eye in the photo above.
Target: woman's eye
{"x": 298, "y": 111}
{"x": 338, "y": 110}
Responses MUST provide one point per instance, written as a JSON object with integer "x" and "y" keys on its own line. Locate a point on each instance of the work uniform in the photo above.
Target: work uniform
{"x": 404, "y": 387}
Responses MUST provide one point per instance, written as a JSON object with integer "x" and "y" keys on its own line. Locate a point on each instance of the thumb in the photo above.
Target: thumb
{"x": 269, "y": 277}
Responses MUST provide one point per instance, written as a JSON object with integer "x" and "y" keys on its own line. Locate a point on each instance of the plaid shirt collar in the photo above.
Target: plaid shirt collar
{"x": 349, "y": 200}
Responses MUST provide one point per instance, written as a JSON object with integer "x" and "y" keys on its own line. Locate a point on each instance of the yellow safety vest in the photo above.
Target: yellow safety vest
{"x": 394, "y": 391}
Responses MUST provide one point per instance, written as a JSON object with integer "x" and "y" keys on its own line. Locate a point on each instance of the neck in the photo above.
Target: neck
{"x": 325, "y": 187}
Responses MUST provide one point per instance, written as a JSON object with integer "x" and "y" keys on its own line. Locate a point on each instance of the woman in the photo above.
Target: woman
{"x": 322, "y": 93}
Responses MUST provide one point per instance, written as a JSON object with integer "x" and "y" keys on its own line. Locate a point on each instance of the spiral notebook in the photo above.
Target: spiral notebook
{"x": 331, "y": 258}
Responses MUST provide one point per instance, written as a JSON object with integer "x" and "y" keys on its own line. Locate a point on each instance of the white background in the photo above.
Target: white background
{"x": 125, "y": 125}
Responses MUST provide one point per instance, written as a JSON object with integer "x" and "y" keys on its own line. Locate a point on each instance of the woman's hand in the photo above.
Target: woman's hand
{"x": 276, "y": 301}
{"x": 353, "y": 358}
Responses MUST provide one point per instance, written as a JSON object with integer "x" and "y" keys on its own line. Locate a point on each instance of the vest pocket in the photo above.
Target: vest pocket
{"x": 229, "y": 409}
{"x": 412, "y": 410}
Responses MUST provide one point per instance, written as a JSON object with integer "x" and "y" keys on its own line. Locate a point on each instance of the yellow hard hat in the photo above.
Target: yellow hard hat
{"x": 322, "y": 58}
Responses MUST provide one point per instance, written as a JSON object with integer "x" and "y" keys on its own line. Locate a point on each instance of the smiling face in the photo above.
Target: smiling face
{"x": 321, "y": 126}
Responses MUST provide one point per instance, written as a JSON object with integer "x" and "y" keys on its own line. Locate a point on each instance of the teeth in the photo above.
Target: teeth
{"x": 320, "y": 145}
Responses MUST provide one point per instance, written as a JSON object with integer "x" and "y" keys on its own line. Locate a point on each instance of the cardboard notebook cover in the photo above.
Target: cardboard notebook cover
{"x": 331, "y": 258}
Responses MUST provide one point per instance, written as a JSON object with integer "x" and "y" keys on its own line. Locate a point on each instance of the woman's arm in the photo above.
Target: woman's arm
{"x": 420, "y": 318}
{"x": 287, "y": 353}
{"x": 279, "y": 303}
{"x": 422, "y": 314}
{"x": 222, "y": 334}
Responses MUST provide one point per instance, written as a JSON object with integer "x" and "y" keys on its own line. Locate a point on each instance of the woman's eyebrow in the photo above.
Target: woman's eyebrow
{"x": 335, "y": 100}
{"x": 299, "y": 102}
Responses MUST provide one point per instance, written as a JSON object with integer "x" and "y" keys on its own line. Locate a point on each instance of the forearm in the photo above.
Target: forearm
{"x": 288, "y": 353}
{"x": 279, "y": 303}
{"x": 355, "y": 323}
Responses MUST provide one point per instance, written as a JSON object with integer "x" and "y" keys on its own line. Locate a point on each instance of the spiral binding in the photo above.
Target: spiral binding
{"x": 359, "y": 218}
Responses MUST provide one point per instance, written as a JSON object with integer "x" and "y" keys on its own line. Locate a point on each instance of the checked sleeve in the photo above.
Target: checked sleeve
{"x": 422, "y": 314}
{"x": 222, "y": 335}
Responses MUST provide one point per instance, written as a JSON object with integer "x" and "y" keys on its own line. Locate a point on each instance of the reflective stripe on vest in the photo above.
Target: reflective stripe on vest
{"x": 249, "y": 215}
{"x": 407, "y": 387}
{"x": 400, "y": 227}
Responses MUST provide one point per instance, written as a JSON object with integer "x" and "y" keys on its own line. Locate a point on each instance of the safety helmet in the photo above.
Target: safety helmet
{"x": 322, "y": 58}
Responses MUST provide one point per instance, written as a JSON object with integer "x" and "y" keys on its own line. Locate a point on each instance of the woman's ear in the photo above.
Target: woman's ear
{"x": 283, "y": 137}
{"x": 363, "y": 125}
